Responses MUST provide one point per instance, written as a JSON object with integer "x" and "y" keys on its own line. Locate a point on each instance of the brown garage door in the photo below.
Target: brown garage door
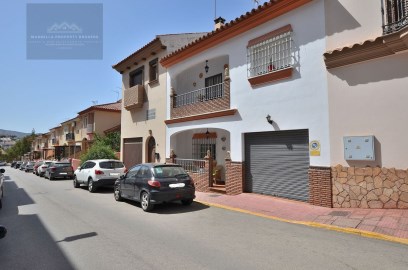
{"x": 132, "y": 151}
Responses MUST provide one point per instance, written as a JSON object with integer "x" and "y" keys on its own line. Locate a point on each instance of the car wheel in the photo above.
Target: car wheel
{"x": 75, "y": 181}
{"x": 50, "y": 177}
{"x": 145, "y": 202}
{"x": 91, "y": 186}
{"x": 117, "y": 194}
{"x": 187, "y": 202}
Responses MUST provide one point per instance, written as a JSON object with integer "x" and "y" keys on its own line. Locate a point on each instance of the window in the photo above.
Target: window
{"x": 201, "y": 145}
{"x": 213, "y": 87}
{"x": 151, "y": 114}
{"x": 85, "y": 122}
{"x": 144, "y": 172}
{"x": 271, "y": 52}
{"x": 133, "y": 171}
{"x": 136, "y": 77}
{"x": 153, "y": 70}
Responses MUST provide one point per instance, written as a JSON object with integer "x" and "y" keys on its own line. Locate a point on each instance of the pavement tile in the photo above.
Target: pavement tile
{"x": 403, "y": 226}
{"x": 346, "y": 222}
{"x": 368, "y": 222}
{"x": 388, "y": 222}
{"x": 401, "y": 233}
{"x": 384, "y": 230}
{"x": 366, "y": 227}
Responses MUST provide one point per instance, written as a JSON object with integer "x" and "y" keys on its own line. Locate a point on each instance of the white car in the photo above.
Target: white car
{"x": 99, "y": 172}
{"x": 43, "y": 167}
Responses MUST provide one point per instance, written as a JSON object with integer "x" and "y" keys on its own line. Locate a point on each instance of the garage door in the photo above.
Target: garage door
{"x": 277, "y": 163}
{"x": 132, "y": 151}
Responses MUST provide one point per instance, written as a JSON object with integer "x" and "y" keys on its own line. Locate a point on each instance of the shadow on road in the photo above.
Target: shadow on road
{"x": 78, "y": 237}
{"x": 28, "y": 244}
{"x": 172, "y": 207}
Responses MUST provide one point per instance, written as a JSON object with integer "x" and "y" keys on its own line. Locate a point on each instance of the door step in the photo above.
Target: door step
{"x": 218, "y": 189}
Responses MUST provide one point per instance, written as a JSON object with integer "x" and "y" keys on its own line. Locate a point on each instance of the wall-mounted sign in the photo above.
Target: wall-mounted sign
{"x": 314, "y": 148}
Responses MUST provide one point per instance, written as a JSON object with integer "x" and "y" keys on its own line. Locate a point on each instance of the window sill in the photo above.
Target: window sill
{"x": 271, "y": 77}
{"x": 153, "y": 83}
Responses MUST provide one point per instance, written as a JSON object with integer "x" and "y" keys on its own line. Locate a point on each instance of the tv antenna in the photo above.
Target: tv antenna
{"x": 94, "y": 102}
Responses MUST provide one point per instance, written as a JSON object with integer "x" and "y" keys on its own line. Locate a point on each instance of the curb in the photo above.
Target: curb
{"x": 366, "y": 234}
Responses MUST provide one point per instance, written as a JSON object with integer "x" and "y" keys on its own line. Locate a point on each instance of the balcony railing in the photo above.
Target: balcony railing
{"x": 395, "y": 15}
{"x": 191, "y": 165}
{"x": 70, "y": 137}
{"x": 54, "y": 141}
{"x": 200, "y": 95}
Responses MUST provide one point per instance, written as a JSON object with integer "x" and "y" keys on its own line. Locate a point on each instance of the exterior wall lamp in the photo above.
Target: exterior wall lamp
{"x": 268, "y": 118}
{"x": 207, "y": 134}
{"x": 206, "y": 66}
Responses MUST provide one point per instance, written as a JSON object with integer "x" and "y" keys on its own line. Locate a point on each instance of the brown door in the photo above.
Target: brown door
{"x": 132, "y": 151}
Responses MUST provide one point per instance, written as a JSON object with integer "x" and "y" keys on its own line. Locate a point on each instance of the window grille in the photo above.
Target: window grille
{"x": 201, "y": 145}
{"x": 270, "y": 54}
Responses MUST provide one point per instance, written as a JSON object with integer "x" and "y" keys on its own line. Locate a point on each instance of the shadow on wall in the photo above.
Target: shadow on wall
{"x": 338, "y": 19}
{"x": 375, "y": 163}
{"x": 384, "y": 69}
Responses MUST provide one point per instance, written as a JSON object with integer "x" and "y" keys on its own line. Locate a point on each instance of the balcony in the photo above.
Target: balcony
{"x": 54, "y": 142}
{"x": 70, "y": 137}
{"x": 395, "y": 15}
{"x": 202, "y": 101}
{"x": 133, "y": 97}
{"x": 89, "y": 128}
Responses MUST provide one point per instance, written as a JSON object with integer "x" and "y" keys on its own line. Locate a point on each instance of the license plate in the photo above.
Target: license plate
{"x": 177, "y": 185}
{"x": 63, "y": 173}
{"x": 114, "y": 174}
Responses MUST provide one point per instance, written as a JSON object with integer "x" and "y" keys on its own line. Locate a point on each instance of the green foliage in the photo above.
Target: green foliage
{"x": 98, "y": 151}
{"x": 21, "y": 147}
{"x": 111, "y": 139}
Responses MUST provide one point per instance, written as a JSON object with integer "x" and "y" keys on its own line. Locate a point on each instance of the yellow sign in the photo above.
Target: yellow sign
{"x": 314, "y": 147}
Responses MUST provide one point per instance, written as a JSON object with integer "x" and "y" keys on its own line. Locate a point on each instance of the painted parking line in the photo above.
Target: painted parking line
{"x": 367, "y": 234}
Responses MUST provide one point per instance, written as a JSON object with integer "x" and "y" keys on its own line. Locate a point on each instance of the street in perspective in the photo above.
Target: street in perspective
{"x": 205, "y": 134}
{"x": 52, "y": 225}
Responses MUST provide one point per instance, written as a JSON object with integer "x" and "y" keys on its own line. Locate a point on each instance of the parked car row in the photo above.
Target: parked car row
{"x": 147, "y": 183}
{"x": 46, "y": 168}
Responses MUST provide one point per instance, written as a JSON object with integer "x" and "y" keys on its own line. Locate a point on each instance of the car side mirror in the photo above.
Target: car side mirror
{"x": 2, "y": 170}
{"x": 122, "y": 176}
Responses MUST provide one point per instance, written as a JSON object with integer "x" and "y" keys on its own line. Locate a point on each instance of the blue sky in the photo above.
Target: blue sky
{"x": 41, "y": 94}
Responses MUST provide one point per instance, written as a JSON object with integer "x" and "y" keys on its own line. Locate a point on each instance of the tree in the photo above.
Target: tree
{"x": 103, "y": 147}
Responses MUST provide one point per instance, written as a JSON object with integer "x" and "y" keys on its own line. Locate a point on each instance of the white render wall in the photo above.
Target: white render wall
{"x": 300, "y": 102}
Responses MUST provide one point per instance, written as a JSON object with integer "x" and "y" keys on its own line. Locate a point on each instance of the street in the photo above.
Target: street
{"x": 52, "y": 225}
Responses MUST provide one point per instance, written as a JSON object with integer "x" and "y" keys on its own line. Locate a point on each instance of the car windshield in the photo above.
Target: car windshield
{"x": 169, "y": 171}
{"x": 61, "y": 164}
{"x": 111, "y": 165}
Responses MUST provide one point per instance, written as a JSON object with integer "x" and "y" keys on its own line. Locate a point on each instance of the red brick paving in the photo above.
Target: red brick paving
{"x": 392, "y": 222}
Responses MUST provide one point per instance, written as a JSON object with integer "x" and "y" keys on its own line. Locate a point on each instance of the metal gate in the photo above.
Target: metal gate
{"x": 132, "y": 151}
{"x": 277, "y": 163}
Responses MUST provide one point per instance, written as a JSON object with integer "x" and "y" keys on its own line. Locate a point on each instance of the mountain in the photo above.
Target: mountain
{"x": 4, "y": 132}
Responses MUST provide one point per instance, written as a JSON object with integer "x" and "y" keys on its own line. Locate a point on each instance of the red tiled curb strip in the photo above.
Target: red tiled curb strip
{"x": 363, "y": 233}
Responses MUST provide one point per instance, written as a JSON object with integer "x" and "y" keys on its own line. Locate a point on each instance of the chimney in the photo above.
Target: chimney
{"x": 219, "y": 22}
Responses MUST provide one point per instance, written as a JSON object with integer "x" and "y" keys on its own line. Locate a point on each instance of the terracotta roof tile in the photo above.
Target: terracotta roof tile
{"x": 353, "y": 46}
{"x": 113, "y": 107}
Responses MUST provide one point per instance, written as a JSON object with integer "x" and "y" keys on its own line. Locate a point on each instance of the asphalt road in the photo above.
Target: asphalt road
{"x": 52, "y": 225}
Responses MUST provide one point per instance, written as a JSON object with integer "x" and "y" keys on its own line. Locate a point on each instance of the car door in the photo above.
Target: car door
{"x": 80, "y": 173}
{"x": 127, "y": 184}
{"x": 142, "y": 177}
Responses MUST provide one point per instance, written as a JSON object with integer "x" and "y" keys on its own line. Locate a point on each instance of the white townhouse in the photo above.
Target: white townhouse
{"x": 254, "y": 93}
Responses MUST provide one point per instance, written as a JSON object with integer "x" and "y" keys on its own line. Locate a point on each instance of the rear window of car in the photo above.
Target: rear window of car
{"x": 111, "y": 165}
{"x": 169, "y": 171}
{"x": 62, "y": 164}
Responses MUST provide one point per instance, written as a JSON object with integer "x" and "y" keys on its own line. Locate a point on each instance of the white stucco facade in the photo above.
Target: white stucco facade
{"x": 300, "y": 102}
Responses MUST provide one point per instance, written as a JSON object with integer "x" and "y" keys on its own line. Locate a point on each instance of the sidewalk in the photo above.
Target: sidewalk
{"x": 387, "y": 224}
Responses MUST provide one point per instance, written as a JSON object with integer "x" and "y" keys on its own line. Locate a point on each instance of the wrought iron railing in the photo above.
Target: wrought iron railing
{"x": 191, "y": 165}
{"x": 69, "y": 136}
{"x": 395, "y": 15}
{"x": 200, "y": 95}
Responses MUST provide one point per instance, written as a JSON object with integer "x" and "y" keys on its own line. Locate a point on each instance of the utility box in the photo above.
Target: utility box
{"x": 359, "y": 148}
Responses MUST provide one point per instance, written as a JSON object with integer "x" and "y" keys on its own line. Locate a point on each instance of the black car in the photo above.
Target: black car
{"x": 153, "y": 183}
{"x": 13, "y": 164}
{"x": 59, "y": 170}
{"x": 1, "y": 186}
{"x": 18, "y": 165}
